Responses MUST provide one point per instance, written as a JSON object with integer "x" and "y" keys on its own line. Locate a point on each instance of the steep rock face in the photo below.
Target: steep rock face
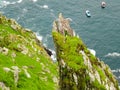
{"x": 24, "y": 62}
{"x": 79, "y": 69}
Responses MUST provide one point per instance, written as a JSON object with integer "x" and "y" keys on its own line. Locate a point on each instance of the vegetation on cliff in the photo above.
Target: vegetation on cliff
{"x": 79, "y": 69}
{"x": 24, "y": 63}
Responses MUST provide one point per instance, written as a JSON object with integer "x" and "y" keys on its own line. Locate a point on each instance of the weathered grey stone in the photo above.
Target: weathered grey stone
{"x": 15, "y": 71}
{"x": 5, "y": 50}
{"x": 13, "y": 54}
{"x": 3, "y": 86}
{"x": 26, "y": 72}
{"x": 62, "y": 26}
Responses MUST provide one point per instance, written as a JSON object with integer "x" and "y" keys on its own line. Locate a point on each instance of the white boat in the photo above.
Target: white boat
{"x": 88, "y": 13}
{"x": 103, "y": 4}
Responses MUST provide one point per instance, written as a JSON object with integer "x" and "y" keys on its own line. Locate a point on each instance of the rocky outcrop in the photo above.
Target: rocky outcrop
{"x": 64, "y": 27}
{"x": 79, "y": 69}
{"x": 24, "y": 61}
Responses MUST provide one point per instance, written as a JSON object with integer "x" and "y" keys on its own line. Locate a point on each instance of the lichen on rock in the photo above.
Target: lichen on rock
{"x": 79, "y": 69}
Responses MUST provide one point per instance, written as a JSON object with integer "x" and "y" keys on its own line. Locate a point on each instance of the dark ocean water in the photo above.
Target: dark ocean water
{"x": 100, "y": 32}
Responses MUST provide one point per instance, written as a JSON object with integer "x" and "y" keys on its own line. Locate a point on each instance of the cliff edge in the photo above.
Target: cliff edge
{"x": 24, "y": 62}
{"x": 79, "y": 69}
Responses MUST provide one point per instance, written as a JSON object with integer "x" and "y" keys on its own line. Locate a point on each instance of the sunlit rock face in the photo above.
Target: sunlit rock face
{"x": 79, "y": 69}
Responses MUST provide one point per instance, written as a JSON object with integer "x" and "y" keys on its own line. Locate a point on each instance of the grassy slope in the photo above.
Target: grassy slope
{"x": 68, "y": 49}
{"x": 24, "y": 50}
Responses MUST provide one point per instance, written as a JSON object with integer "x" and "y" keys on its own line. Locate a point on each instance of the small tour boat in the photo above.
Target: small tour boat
{"x": 88, "y": 13}
{"x": 103, "y": 4}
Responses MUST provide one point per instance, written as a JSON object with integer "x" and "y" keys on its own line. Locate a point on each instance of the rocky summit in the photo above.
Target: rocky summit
{"x": 79, "y": 69}
{"x": 24, "y": 61}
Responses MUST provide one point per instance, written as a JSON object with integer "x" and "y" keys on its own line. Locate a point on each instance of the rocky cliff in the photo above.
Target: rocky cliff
{"x": 79, "y": 69}
{"x": 24, "y": 62}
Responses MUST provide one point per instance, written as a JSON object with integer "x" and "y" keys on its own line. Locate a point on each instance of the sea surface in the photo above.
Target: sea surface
{"x": 100, "y": 32}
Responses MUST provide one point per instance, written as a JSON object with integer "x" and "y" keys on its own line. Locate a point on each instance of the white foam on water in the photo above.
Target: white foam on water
{"x": 92, "y": 51}
{"x": 116, "y": 70}
{"x": 13, "y": 3}
{"x": 39, "y": 37}
{"x": 117, "y": 73}
{"x": 114, "y": 54}
{"x": 19, "y": 1}
{"x": 34, "y": 0}
{"x": 6, "y": 3}
{"x": 70, "y": 19}
{"x": 45, "y": 7}
{"x": 53, "y": 56}
{"x": 44, "y": 44}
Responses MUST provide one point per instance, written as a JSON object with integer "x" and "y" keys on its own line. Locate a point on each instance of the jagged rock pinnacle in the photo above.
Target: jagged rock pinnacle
{"x": 62, "y": 25}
